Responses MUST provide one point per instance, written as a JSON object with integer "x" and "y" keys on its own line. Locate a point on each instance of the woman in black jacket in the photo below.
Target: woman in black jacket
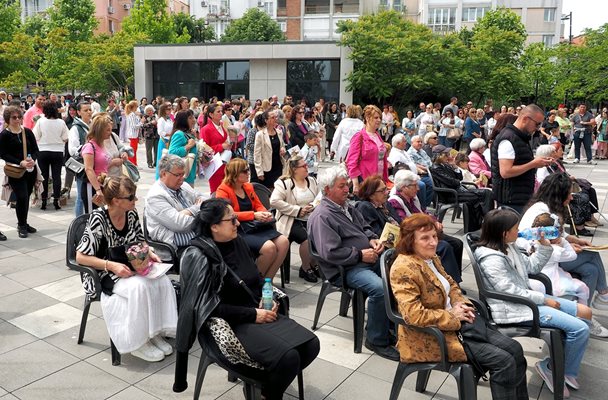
{"x": 213, "y": 272}
{"x": 12, "y": 151}
{"x": 446, "y": 175}
{"x": 297, "y": 128}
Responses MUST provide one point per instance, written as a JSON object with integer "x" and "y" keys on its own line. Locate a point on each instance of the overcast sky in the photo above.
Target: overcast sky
{"x": 585, "y": 14}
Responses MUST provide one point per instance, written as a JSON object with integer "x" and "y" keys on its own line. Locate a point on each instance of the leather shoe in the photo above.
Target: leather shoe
{"x": 2, "y": 237}
{"x": 22, "y": 231}
{"x": 31, "y": 229}
{"x": 584, "y": 232}
{"x": 308, "y": 276}
{"x": 388, "y": 352}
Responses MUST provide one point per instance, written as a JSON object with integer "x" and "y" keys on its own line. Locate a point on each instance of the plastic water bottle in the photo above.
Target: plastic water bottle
{"x": 551, "y": 232}
{"x": 267, "y": 302}
{"x": 29, "y": 158}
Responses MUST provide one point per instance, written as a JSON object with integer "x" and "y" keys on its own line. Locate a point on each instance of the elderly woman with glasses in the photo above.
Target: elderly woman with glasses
{"x": 137, "y": 311}
{"x": 256, "y": 222}
{"x": 404, "y": 200}
{"x": 293, "y": 198}
{"x": 373, "y": 195}
{"x": 220, "y": 281}
{"x": 430, "y": 140}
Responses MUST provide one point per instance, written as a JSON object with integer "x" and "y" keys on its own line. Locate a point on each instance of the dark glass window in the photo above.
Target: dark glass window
{"x": 202, "y": 79}
{"x": 314, "y": 79}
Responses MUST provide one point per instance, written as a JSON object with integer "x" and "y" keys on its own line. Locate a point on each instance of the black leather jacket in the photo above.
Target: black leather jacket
{"x": 202, "y": 272}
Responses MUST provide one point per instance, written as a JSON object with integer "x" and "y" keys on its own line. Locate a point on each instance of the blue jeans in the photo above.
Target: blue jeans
{"x": 367, "y": 277}
{"x": 78, "y": 206}
{"x": 575, "y": 329}
{"x": 589, "y": 266}
{"x": 425, "y": 195}
{"x": 444, "y": 141}
{"x": 586, "y": 140}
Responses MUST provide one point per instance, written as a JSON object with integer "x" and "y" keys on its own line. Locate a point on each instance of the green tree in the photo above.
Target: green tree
{"x": 394, "y": 59}
{"x": 254, "y": 26}
{"x": 9, "y": 19}
{"x": 539, "y": 75}
{"x": 77, "y": 17}
{"x": 196, "y": 28}
{"x": 36, "y": 25}
{"x": 492, "y": 65}
{"x": 150, "y": 18}
{"x": 19, "y": 63}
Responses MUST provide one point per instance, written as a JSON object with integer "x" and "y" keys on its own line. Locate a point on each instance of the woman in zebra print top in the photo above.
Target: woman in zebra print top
{"x": 138, "y": 311}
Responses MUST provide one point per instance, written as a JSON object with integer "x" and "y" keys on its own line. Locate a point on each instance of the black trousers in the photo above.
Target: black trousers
{"x": 52, "y": 160}
{"x": 504, "y": 358}
{"x": 22, "y": 190}
{"x": 151, "y": 151}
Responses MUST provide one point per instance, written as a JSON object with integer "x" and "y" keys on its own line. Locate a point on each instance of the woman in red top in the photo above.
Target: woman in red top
{"x": 217, "y": 138}
{"x": 271, "y": 246}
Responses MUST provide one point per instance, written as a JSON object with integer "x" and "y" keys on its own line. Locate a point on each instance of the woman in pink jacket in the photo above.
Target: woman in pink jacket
{"x": 477, "y": 163}
{"x": 367, "y": 154}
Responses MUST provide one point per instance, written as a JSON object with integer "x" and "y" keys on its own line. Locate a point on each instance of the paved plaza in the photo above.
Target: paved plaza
{"x": 41, "y": 306}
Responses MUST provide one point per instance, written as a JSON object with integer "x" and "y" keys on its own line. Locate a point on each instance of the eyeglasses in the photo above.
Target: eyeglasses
{"x": 131, "y": 197}
{"x": 383, "y": 190}
{"x": 413, "y": 185}
{"x": 537, "y": 123}
{"x": 300, "y": 112}
{"x": 245, "y": 171}
{"x": 177, "y": 175}
{"x": 16, "y": 117}
{"x": 302, "y": 166}
{"x": 232, "y": 219}
{"x": 433, "y": 138}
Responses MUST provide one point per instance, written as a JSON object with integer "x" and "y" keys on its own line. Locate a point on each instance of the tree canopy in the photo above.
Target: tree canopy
{"x": 254, "y": 26}
{"x": 150, "y": 18}
{"x": 198, "y": 31}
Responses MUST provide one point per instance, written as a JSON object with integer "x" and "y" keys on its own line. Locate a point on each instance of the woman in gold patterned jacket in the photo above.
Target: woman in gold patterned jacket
{"x": 427, "y": 296}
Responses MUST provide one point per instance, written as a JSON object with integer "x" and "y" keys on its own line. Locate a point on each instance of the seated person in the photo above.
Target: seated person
{"x": 415, "y": 276}
{"x": 446, "y": 175}
{"x": 341, "y": 236}
{"x": 405, "y": 202}
{"x": 423, "y": 164}
{"x": 478, "y": 164}
{"x": 400, "y": 159}
{"x": 505, "y": 269}
{"x": 134, "y": 326}
{"x": 293, "y": 197}
{"x": 373, "y": 205}
{"x": 172, "y": 204}
{"x": 462, "y": 162}
{"x": 232, "y": 290}
{"x": 256, "y": 226}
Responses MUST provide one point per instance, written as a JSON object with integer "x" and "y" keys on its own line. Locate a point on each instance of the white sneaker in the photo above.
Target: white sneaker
{"x": 149, "y": 352}
{"x": 597, "y": 330}
{"x": 599, "y": 303}
{"x": 576, "y": 161}
{"x": 161, "y": 344}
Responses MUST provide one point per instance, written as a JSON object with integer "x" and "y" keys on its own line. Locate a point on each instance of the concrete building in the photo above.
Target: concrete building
{"x": 542, "y": 18}
{"x": 254, "y": 70}
{"x": 109, "y": 13}
{"x": 317, "y": 19}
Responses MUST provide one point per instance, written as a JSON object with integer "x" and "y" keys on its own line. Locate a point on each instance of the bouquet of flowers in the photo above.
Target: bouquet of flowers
{"x": 138, "y": 255}
{"x": 205, "y": 153}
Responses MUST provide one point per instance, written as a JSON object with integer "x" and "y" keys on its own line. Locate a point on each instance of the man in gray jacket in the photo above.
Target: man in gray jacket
{"x": 172, "y": 204}
{"x": 341, "y": 236}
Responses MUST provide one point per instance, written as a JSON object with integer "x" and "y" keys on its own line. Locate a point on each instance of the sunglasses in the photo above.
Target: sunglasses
{"x": 245, "y": 171}
{"x": 131, "y": 197}
{"x": 16, "y": 117}
{"x": 232, "y": 219}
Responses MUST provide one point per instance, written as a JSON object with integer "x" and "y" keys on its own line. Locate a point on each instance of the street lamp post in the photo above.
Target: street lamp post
{"x": 568, "y": 17}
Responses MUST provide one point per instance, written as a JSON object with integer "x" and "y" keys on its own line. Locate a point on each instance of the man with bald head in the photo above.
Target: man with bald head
{"x": 513, "y": 163}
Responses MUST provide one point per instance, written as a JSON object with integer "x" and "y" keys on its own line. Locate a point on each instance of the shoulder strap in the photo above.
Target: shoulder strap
{"x": 24, "y": 140}
{"x": 255, "y": 298}
{"x": 360, "y": 147}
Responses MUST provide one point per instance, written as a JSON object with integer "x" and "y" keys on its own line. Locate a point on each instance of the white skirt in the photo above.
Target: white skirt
{"x": 138, "y": 310}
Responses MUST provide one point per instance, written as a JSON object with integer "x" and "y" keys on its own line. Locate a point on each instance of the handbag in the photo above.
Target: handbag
{"x": 129, "y": 169}
{"x": 13, "y": 170}
{"x": 454, "y": 133}
{"x": 251, "y": 227}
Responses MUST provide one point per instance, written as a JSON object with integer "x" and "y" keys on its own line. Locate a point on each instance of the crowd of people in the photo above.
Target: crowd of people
{"x": 384, "y": 172}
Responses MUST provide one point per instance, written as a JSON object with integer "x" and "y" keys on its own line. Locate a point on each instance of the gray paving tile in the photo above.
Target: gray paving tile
{"x": 54, "y": 253}
{"x": 31, "y": 243}
{"x": 9, "y": 397}
{"x": 2, "y": 392}
{"x": 77, "y": 381}
{"x": 68, "y": 287}
{"x": 78, "y": 302}
{"x": 8, "y": 286}
{"x": 304, "y": 304}
{"x": 13, "y": 337}
{"x": 6, "y": 252}
{"x": 160, "y": 385}
{"x": 132, "y": 393}
{"x": 320, "y": 378}
{"x": 18, "y": 262}
{"x": 23, "y": 302}
{"x": 361, "y": 386}
{"x": 96, "y": 339}
{"x": 48, "y": 321}
{"x": 30, "y": 363}
{"x": 132, "y": 369}
{"x": 40, "y": 275}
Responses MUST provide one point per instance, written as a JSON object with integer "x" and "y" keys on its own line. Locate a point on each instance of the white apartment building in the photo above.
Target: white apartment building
{"x": 542, "y": 18}
{"x": 317, "y": 19}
